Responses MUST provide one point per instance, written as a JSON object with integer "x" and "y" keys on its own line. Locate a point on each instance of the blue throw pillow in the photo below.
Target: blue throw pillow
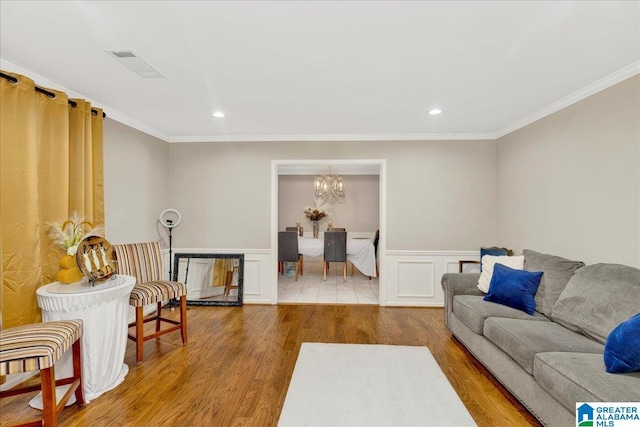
{"x": 514, "y": 288}
{"x": 622, "y": 349}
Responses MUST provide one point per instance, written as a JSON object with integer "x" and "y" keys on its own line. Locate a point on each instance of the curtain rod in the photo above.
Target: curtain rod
{"x": 49, "y": 94}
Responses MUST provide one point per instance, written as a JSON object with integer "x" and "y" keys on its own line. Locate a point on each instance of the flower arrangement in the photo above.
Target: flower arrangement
{"x": 314, "y": 214}
{"x": 70, "y": 233}
{"x": 318, "y": 212}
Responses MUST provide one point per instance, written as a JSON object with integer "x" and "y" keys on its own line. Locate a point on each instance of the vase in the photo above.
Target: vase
{"x": 69, "y": 272}
{"x": 316, "y": 229}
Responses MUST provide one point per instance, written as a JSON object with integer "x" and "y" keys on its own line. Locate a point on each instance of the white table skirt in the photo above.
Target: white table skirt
{"x": 104, "y": 310}
{"x": 360, "y": 252}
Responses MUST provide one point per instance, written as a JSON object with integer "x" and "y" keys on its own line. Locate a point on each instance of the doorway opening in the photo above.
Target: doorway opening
{"x": 295, "y": 175}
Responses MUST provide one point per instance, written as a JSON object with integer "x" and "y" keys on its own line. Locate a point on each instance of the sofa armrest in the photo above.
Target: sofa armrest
{"x": 458, "y": 284}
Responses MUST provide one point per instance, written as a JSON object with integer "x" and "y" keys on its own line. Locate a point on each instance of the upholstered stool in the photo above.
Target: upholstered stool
{"x": 38, "y": 347}
{"x": 144, "y": 262}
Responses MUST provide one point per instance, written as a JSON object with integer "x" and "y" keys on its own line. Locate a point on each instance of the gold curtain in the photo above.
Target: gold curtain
{"x": 51, "y": 165}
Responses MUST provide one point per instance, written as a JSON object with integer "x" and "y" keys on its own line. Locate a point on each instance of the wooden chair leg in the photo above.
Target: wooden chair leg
{"x": 301, "y": 265}
{"x": 324, "y": 270}
{"x": 158, "y": 314}
{"x": 48, "y": 383}
{"x": 228, "y": 283}
{"x": 139, "y": 334}
{"x": 183, "y": 318}
{"x": 344, "y": 271}
{"x": 77, "y": 372}
{"x": 297, "y": 267}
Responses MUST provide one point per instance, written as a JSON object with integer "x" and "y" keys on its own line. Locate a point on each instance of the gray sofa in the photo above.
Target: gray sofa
{"x": 554, "y": 358}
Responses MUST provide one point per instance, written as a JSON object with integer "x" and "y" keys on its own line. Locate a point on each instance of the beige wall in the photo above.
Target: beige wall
{"x": 440, "y": 194}
{"x": 569, "y": 184}
{"x": 136, "y": 189}
{"x": 359, "y": 211}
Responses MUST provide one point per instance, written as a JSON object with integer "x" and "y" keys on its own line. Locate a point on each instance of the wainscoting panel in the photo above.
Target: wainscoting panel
{"x": 413, "y": 277}
{"x": 409, "y": 278}
{"x": 416, "y": 279}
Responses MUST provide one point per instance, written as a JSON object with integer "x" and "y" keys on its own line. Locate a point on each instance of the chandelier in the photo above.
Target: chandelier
{"x": 329, "y": 187}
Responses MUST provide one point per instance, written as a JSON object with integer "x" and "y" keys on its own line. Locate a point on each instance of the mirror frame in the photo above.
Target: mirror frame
{"x": 240, "y": 257}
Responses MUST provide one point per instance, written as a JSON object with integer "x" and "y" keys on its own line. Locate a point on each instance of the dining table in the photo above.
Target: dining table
{"x": 360, "y": 252}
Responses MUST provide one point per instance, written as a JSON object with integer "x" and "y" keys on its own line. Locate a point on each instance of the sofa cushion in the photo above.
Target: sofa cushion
{"x": 622, "y": 349}
{"x": 514, "y": 288}
{"x": 598, "y": 298}
{"x": 580, "y": 377}
{"x": 488, "y": 262}
{"x": 557, "y": 272}
{"x": 523, "y": 339}
{"x": 472, "y": 310}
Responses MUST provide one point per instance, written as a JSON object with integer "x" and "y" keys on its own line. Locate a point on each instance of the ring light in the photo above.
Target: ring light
{"x": 167, "y": 222}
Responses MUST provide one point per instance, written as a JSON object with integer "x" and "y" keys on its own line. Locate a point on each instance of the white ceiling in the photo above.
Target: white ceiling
{"x": 305, "y": 70}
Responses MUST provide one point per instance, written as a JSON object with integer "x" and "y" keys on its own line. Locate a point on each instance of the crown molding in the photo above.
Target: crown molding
{"x": 334, "y": 137}
{"x": 608, "y": 81}
{"x": 110, "y": 112}
{"x": 604, "y": 83}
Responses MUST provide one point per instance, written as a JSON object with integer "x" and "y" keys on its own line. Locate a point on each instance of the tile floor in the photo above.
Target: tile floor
{"x": 310, "y": 288}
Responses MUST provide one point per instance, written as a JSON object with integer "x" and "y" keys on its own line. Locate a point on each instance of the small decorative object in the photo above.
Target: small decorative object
{"x": 299, "y": 227}
{"x": 329, "y": 225}
{"x": 68, "y": 236}
{"x": 96, "y": 259}
{"x": 69, "y": 271}
{"x": 315, "y": 214}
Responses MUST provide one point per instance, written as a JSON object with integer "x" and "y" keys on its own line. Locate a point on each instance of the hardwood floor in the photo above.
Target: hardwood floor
{"x": 238, "y": 362}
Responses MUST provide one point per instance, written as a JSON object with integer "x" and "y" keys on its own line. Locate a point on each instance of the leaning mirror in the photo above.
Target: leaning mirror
{"x": 211, "y": 279}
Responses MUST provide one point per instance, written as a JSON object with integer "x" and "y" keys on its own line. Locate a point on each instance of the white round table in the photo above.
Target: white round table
{"x": 104, "y": 310}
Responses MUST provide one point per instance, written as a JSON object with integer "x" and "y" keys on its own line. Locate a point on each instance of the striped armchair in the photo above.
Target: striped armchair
{"x": 37, "y": 347}
{"x": 144, "y": 262}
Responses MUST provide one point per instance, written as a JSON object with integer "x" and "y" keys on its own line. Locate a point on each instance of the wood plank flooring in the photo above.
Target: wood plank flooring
{"x": 236, "y": 367}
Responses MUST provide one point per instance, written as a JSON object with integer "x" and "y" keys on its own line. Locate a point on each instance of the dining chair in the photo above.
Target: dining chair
{"x": 37, "y": 347}
{"x": 300, "y": 255}
{"x": 299, "y": 230}
{"x": 353, "y": 267}
{"x": 144, "y": 262}
{"x": 335, "y": 250}
{"x": 288, "y": 250}
{"x": 376, "y": 239}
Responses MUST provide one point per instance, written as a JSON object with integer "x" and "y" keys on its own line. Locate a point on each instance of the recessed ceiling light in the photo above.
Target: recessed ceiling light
{"x": 218, "y": 114}
{"x": 435, "y": 111}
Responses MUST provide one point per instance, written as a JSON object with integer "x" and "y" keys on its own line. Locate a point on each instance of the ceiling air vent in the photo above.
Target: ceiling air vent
{"x": 135, "y": 63}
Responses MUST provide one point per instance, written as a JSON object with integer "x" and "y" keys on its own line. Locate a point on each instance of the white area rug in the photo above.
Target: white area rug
{"x": 370, "y": 385}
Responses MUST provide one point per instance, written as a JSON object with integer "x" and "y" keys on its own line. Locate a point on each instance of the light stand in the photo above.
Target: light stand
{"x": 169, "y": 224}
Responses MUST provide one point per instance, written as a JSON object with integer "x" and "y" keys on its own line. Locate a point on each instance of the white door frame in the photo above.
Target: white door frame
{"x": 382, "y": 243}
